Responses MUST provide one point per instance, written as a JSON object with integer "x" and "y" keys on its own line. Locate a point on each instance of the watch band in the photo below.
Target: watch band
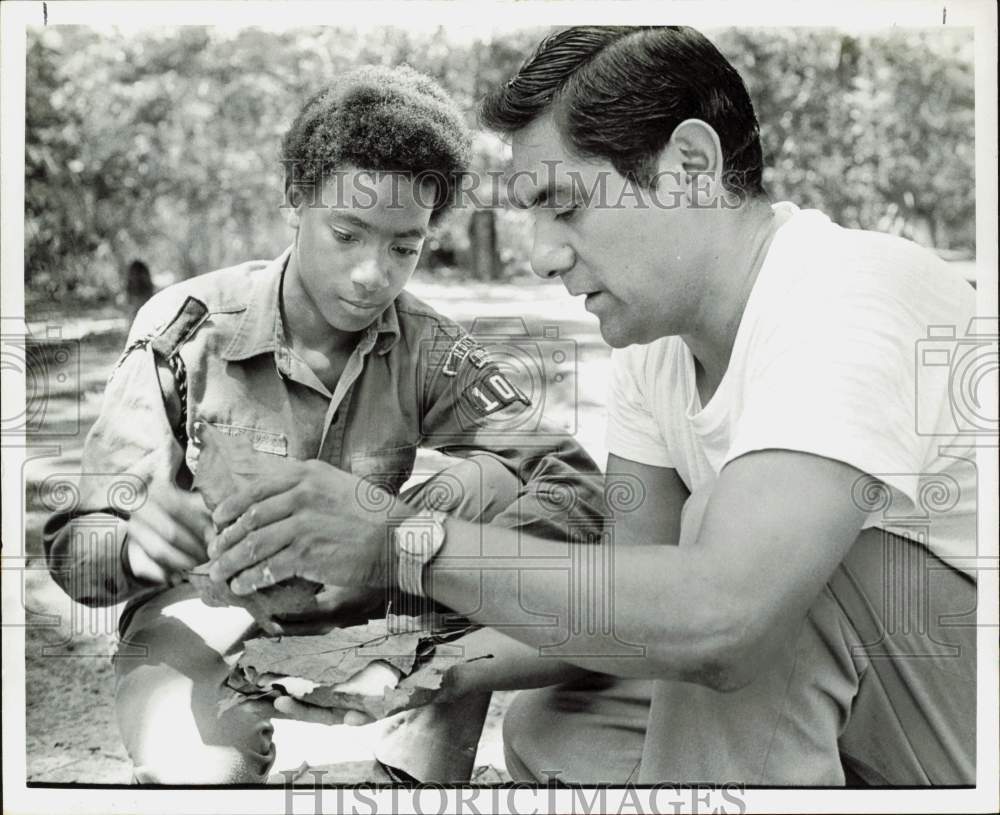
{"x": 418, "y": 540}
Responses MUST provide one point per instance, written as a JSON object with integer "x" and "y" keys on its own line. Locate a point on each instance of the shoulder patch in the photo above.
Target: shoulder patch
{"x": 166, "y": 342}
{"x": 492, "y": 391}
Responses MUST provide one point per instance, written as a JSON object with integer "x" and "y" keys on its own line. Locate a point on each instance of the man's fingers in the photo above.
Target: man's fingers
{"x": 281, "y": 567}
{"x": 258, "y": 516}
{"x": 294, "y": 709}
{"x": 235, "y": 505}
{"x": 254, "y": 549}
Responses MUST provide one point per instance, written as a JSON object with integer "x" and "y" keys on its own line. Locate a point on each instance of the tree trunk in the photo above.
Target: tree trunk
{"x": 483, "y": 245}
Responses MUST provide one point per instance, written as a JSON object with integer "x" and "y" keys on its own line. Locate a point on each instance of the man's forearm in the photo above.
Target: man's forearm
{"x": 633, "y": 611}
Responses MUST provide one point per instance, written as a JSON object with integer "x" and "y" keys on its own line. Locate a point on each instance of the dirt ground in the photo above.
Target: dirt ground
{"x": 69, "y": 683}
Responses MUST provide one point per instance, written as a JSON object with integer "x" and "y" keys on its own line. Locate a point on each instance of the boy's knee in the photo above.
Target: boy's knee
{"x": 174, "y": 734}
{"x": 474, "y": 489}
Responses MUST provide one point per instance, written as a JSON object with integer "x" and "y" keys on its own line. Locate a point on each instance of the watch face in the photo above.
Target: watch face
{"x": 417, "y": 535}
{"x": 417, "y": 541}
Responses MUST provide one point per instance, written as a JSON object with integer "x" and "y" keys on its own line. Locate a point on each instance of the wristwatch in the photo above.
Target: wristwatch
{"x": 418, "y": 539}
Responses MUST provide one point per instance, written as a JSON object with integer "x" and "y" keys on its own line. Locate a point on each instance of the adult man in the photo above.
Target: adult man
{"x": 317, "y": 355}
{"x": 765, "y": 395}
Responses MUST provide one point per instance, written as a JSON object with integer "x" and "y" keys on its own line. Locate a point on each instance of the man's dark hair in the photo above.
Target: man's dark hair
{"x": 616, "y": 93}
{"x": 379, "y": 119}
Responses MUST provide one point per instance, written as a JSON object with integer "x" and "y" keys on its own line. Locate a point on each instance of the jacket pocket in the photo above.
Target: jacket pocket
{"x": 263, "y": 441}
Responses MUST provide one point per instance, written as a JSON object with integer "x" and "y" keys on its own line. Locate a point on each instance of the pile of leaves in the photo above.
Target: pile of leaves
{"x": 417, "y": 647}
{"x": 227, "y": 464}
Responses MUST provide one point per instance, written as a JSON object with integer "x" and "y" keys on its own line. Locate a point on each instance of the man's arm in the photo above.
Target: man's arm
{"x": 775, "y": 527}
{"x": 516, "y": 665}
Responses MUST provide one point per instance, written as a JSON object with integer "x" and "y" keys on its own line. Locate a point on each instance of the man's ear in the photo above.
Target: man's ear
{"x": 694, "y": 147}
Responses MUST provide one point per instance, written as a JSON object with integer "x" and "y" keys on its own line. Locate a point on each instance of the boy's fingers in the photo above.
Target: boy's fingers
{"x": 301, "y": 711}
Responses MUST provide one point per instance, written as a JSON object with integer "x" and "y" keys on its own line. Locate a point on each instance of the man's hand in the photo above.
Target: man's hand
{"x": 309, "y": 520}
{"x": 167, "y": 535}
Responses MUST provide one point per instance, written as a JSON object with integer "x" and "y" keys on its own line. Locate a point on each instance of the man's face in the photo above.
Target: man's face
{"x": 358, "y": 247}
{"x": 634, "y": 255}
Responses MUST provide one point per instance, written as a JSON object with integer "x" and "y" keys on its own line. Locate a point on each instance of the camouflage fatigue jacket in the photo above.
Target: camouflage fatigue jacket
{"x": 415, "y": 379}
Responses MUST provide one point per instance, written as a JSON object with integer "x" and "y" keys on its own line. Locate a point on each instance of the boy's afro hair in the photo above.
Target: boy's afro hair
{"x": 378, "y": 118}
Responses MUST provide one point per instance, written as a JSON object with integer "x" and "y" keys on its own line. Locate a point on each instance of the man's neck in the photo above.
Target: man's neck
{"x": 730, "y": 276}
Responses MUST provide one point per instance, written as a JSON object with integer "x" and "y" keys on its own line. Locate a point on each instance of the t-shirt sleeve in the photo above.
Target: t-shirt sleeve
{"x": 834, "y": 375}
{"x": 632, "y": 431}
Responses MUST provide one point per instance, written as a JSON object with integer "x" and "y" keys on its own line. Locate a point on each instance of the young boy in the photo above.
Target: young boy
{"x": 318, "y": 354}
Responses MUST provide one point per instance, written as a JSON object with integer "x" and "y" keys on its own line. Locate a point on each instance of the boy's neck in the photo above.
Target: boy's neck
{"x": 305, "y": 327}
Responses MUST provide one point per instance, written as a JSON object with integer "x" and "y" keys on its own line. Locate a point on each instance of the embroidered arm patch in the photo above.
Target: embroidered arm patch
{"x": 492, "y": 391}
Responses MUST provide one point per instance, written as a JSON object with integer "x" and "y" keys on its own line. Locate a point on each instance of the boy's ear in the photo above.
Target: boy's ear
{"x": 292, "y": 210}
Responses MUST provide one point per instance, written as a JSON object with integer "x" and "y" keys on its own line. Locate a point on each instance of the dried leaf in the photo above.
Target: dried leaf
{"x": 414, "y": 646}
{"x": 227, "y": 464}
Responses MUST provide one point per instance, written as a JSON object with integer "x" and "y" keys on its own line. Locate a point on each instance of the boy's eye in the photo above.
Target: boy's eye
{"x": 567, "y": 214}
{"x": 406, "y": 251}
{"x": 342, "y": 236}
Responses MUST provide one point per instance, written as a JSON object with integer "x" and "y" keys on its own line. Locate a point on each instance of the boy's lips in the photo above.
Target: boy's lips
{"x": 361, "y": 305}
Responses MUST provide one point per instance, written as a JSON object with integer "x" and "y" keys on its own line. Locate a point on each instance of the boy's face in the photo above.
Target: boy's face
{"x": 358, "y": 244}
{"x": 634, "y": 255}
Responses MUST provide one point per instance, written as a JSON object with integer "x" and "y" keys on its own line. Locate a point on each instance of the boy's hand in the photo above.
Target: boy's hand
{"x": 167, "y": 535}
{"x": 293, "y": 709}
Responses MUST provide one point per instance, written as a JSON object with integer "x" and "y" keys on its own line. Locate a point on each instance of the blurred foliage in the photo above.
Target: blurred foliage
{"x": 163, "y": 144}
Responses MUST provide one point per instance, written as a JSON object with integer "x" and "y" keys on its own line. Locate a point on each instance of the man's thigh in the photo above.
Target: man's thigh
{"x": 590, "y": 731}
{"x": 893, "y": 698}
{"x": 913, "y": 719}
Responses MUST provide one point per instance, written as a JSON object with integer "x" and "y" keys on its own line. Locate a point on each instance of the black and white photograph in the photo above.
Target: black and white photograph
{"x": 499, "y": 407}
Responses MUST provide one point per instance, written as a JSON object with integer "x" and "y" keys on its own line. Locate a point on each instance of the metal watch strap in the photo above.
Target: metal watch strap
{"x": 418, "y": 540}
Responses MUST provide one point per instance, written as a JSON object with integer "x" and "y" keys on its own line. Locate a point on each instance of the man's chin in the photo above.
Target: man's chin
{"x": 615, "y": 335}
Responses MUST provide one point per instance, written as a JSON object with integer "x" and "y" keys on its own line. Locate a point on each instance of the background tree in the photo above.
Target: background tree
{"x": 163, "y": 144}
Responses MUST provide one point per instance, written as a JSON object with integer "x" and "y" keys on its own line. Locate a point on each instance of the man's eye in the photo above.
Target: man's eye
{"x": 343, "y": 237}
{"x": 406, "y": 251}
{"x": 567, "y": 214}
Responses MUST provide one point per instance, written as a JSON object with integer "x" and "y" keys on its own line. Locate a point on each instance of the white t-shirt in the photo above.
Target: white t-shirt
{"x": 847, "y": 349}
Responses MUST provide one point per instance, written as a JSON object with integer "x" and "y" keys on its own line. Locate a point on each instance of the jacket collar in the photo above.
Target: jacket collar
{"x": 260, "y": 330}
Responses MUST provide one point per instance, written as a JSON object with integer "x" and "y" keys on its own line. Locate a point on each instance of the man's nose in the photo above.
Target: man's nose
{"x": 550, "y": 256}
{"x": 369, "y": 275}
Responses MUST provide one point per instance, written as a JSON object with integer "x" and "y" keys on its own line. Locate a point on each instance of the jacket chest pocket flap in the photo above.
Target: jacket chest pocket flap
{"x": 262, "y": 441}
